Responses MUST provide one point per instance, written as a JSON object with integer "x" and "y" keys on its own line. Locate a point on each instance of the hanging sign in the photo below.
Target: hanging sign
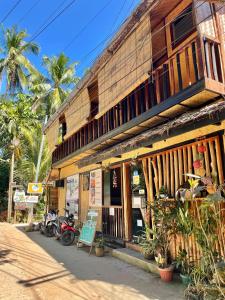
{"x": 22, "y": 205}
{"x": 35, "y": 188}
{"x": 111, "y": 211}
{"x": 19, "y": 196}
{"x": 95, "y": 190}
{"x": 31, "y": 199}
{"x": 136, "y": 177}
{"x": 72, "y": 195}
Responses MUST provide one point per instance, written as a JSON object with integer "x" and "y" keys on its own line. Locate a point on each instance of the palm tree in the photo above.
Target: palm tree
{"x": 25, "y": 170}
{"x": 52, "y": 90}
{"x": 14, "y": 65}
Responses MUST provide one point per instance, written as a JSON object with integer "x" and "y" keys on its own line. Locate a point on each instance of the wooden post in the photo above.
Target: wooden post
{"x": 127, "y": 203}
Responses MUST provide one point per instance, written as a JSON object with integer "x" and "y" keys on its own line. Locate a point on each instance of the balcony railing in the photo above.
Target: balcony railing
{"x": 189, "y": 65}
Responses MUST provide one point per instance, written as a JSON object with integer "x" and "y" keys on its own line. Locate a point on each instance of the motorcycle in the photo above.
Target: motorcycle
{"x": 64, "y": 229}
{"x": 45, "y": 227}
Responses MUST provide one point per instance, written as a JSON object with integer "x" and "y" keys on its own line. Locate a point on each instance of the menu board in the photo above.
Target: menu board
{"x": 95, "y": 190}
{"x": 87, "y": 234}
{"x": 72, "y": 195}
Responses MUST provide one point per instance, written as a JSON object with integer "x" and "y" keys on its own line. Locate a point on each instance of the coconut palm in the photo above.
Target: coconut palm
{"x": 14, "y": 65}
{"x": 25, "y": 170}
{"x": 52, "y": 90}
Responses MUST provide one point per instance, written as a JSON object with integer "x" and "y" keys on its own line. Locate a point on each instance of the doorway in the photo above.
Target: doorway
{"x": 138, "y": 199}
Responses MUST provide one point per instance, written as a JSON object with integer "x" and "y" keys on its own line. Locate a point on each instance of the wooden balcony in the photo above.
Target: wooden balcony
{"x": 188, "y": 79}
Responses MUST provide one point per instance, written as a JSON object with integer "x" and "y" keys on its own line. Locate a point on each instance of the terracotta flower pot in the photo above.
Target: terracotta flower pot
{"x": 166, "y": 274}
{"x": 99, "y": 251}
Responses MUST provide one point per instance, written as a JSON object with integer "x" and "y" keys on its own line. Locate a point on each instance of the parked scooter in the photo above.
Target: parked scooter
{"x": 46, "y": 225}
{"x": 63, "y": 228}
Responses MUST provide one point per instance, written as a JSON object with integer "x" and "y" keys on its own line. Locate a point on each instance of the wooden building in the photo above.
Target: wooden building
{"x": 134, "y": 122}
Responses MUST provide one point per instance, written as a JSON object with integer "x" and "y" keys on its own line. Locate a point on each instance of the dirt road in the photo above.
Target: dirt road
{"x": 35, "y": 267}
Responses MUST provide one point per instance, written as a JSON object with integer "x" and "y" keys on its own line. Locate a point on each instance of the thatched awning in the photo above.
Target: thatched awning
{"x": 191, "y": 120}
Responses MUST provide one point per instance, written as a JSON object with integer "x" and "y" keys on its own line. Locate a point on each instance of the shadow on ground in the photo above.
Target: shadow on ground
{"x": 106, "y": 269}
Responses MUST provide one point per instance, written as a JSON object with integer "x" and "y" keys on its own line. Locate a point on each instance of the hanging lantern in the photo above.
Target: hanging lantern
{"x": 201, "y": 149}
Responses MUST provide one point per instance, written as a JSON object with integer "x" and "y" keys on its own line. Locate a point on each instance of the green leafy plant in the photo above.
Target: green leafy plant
{"x": 165, "y": 228}
{"x": 100, "y": 242}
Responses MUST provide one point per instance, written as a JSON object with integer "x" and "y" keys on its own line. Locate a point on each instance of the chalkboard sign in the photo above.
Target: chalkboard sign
{"x": 87, "y": 234}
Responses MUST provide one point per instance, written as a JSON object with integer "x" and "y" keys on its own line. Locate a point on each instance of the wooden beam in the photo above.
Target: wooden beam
{"x": 127, "y": 203}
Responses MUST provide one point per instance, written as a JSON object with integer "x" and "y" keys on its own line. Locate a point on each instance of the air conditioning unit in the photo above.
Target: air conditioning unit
{"x": 59, "y": 183}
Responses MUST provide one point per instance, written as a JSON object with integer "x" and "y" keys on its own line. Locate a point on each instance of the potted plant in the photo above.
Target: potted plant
{"x": 165, "y": 228}
{"x": 99, "y": 246}
{"x": 183, "y": 265}
{"x": 147, "y": 249}
{"x": 147, "y": 244}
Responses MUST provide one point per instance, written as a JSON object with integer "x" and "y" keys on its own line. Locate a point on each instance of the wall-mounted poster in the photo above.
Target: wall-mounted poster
{"x": 95, "y": 191}
{"x": 72, "y": 195}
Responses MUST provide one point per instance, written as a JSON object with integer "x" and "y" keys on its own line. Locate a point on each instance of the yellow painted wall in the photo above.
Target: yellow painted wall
{"x": 61, "y": 200}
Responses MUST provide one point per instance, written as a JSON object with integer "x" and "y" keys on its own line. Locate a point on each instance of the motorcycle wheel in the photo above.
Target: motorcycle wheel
{"x": 67, "y": 238}
{"x": 49, "y": 231}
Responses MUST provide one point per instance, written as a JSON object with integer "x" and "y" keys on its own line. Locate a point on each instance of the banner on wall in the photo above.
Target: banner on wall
{"x": 95, "y": 190}
{"x": 72, "y": 195}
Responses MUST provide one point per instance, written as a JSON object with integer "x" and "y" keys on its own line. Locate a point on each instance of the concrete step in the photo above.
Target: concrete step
{"x": 136, "y": 259}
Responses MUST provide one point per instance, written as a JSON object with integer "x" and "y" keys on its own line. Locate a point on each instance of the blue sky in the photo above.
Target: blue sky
{"x": 76, "y": 32}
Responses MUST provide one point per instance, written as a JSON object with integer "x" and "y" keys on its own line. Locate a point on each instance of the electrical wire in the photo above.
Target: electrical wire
{"x": 53, "y": 20}
{"x": 10, "y": 11}
{"x": 28, "y": 11}
{"x": 145, "y": 60}
{"x": 86, "y": 25}
{"x": 158, "y": 31}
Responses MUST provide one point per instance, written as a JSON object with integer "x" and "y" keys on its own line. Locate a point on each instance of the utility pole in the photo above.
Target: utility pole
{"x": 40, "y": 153}
{"x": 10, "y": 192}
{"x": 15, "y": 143}
{"x": 38, "y": 168}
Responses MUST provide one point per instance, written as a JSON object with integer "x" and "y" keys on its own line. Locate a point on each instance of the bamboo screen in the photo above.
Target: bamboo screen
{"x": 127, "y": 67}
{"x": 204, "y": 18}
{"x": 168, "y": 168}
{"x": 220, "y": 9}
{"x": 52, "y": 135}
{"x": 77, "y": 113}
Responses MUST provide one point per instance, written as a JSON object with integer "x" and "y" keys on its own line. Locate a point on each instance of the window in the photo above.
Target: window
{"x": 182, "y": 26}
{"x": 62, "y": 129}
{"x": 93, "y": 96}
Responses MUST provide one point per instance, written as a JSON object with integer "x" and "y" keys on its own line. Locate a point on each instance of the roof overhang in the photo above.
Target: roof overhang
{"x": 209, "y": 114}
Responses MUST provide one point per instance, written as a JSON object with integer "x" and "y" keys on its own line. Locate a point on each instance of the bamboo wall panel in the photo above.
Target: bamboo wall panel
{"x": 167, "y": 169}
{"x": 126, "y": 67}
{"x": 204, "y": 18}
{"x": 77, "y": 113}
{"x": 220, "y": 9}
{"x": 52, "y": 136}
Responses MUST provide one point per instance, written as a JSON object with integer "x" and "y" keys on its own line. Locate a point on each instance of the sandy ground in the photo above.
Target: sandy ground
{"x": 35, "y": 267}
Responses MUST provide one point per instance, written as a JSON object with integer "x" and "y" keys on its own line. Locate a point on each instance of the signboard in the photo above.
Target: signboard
{"x": 22, "y": 205}
{"x": 19, "y": 196}
{"x": 138, "y": 202}
{"x": 35, "y": 188}
{"x": 72, "y": 195}
{"x": 31, "y": 199}
{"x": 87, "y": 234}
{"x": 95, "y": 190}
